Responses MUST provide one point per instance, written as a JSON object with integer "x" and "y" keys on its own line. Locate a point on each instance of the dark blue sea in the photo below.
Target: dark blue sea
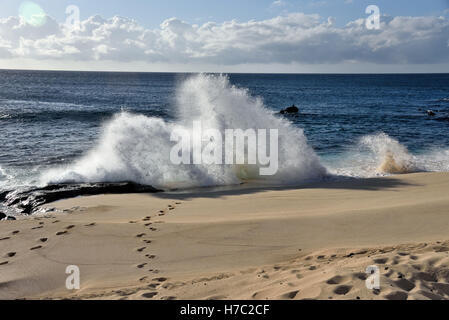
{"x": 87, "y": 126}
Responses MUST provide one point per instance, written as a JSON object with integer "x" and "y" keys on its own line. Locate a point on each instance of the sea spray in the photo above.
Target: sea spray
{"x": 374, "y": 155}
{"x": 137, "y": 148}
{"x": 391, "y": 156}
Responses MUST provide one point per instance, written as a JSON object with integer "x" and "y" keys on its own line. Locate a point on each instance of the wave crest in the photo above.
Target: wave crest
{"x": 137, "y": 148}
{"x": 391, "y": 156}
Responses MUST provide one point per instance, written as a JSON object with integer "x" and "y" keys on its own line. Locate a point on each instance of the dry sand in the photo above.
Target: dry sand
{"x": 313, "y": 242}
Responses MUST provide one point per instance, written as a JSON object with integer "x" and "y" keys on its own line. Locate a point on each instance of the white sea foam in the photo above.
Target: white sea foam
{"x": 3, "y": 174}
{"x": 137, "y": 148}
{"x": 380, "y": 154}
{"x": 391, "y": 157}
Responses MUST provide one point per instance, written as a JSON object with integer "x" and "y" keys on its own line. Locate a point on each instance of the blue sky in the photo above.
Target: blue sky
{"x": 151, "y": 13}
{"x": 228, "y": 36}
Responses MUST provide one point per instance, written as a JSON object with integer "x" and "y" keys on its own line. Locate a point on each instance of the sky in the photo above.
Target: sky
{"x": 225, "y": 36}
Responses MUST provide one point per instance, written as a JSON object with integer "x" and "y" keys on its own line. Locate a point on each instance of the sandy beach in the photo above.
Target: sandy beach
{"x": 312, "y": 242}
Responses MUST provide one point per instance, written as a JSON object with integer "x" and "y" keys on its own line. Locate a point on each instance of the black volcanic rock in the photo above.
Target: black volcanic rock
{"x": 3, "y": 195}
{"x": 29, "y": 201}
{"x": 290, "y": 110}
{"x": 2, "y": 216}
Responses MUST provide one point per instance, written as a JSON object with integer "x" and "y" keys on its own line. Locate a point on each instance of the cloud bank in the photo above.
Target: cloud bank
{"x": 293, "y": 38}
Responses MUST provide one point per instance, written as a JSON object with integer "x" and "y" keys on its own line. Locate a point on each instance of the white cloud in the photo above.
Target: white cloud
{"x": 293, "y": 38}
{"x": 278, "y": 3}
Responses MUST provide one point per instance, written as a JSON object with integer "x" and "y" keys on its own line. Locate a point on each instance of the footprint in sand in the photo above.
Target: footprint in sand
{"x": 149, "y": 295}
{"x": 342, "y": 290}
{"x": 140, "y": 235}
{"x": 11, "y": 254}
{"x": 360, "y": 275}
{"x": 70, "y": 227}
{"x": 141, "y": 249}
{"x": 398, "y": 295}
{"x": 15, "y": 232}
{"x": 6, "y": 238}
{"x": 423, "y": 276}
{"x": 381, "y": 260}
{"x": 153, "y": 285}
{"x": 3, "y": 263}
{"x": 335, "y": 280}
{"x": 147, "y": 241}
{"x": 60, "y": 233}
{"x": 36, "y": 247}
{"x": 43, "y": 239}
{"x": 56, "y": 221}
{"x": 405, "y": 285}
{"x": 150, "y": 256}
{"x": 161, "y": 279}
{"x": 291, "y": 295}
{"x": 35, "y": 228}
{"x": 140, "y": 266}
{"x": 153, "y": 229}
{"x": 148, "y": 224}
{"x": 90, "y": 224}
{"x": 376, "y": 291}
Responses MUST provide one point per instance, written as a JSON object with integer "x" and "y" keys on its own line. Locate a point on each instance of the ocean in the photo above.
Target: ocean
{"x": 87, "y": 127}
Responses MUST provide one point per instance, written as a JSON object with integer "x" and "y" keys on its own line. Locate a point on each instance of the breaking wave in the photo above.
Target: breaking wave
{"x": 380, "y": 155}
{"x": 137, "y": 148}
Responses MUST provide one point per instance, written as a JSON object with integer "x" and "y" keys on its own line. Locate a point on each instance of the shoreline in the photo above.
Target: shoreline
{"x": 238, "y": 244}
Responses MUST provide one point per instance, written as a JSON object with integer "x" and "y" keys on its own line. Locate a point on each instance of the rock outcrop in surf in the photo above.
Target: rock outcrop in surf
{"x": 28, "y": 202}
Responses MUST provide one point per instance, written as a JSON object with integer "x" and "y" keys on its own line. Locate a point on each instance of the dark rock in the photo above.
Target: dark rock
{"x": 290, "y": 110}
{"x": 3, "y": 195}
{"x": 8, "y": 218}
{"x": 2, "y": 215}
{"x": 431, "y": 113}
{"x": 29, "y": 201}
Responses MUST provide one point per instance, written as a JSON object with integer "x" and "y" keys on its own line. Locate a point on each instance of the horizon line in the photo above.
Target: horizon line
{"x": 224, "y": 72}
